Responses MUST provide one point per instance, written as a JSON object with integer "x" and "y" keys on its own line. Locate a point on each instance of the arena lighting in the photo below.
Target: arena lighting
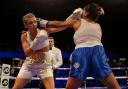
{"x": 22, "y": 55}
{"x": 12, "y": 55}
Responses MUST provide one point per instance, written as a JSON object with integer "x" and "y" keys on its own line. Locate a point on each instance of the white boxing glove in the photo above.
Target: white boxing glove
{"x": 101, "y": 11}
{"x": 76, "y": 14}
{"x": 42, "y": 35}
{"x": 78, "y": 11}
{"x": 40, "y": 41}
{"x": 42, "y": 22}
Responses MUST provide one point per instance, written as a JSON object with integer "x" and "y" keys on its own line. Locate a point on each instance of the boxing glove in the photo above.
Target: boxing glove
{"x": 101, "y": 11}
{"x": 40, "y": 41}
{"x": 42, "y": 22}
{"x": 76, "y": 14}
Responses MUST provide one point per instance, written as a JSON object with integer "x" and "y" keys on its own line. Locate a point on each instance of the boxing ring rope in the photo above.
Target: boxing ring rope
{"x": 116, "y": 68}
{"x": 88, "y": 78}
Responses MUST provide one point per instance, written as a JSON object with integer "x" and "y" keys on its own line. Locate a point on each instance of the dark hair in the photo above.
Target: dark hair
{"x": 50, "y": 37}
{"x": 93, "y": 11}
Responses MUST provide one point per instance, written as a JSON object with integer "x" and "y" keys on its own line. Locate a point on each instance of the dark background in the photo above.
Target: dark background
{"x": 114, "y": 23}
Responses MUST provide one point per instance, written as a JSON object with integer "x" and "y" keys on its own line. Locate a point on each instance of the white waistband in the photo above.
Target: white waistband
{"x": 88, "y": 44}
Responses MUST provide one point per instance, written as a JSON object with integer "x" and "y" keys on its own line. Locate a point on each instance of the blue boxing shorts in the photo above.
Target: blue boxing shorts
{"x": 88, "y": 61}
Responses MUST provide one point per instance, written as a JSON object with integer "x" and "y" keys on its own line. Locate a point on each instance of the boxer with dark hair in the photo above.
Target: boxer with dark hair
{"x": 89, "y": 55}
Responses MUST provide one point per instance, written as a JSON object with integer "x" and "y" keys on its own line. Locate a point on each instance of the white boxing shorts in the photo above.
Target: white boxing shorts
{"x": 40, "y": 69}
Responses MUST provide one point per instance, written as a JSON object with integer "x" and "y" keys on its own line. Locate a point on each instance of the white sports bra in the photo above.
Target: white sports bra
{"x": 88, "y": 33}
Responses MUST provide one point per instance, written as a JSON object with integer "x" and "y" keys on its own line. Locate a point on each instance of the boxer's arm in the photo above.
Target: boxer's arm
{"x": 68, "y": 23}
{"x": 60, "y": 24}
{"x": 25, "y": 45}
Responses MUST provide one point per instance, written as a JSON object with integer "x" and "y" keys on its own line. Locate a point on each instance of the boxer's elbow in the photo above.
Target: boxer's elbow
{"x": 28, "y": 52}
